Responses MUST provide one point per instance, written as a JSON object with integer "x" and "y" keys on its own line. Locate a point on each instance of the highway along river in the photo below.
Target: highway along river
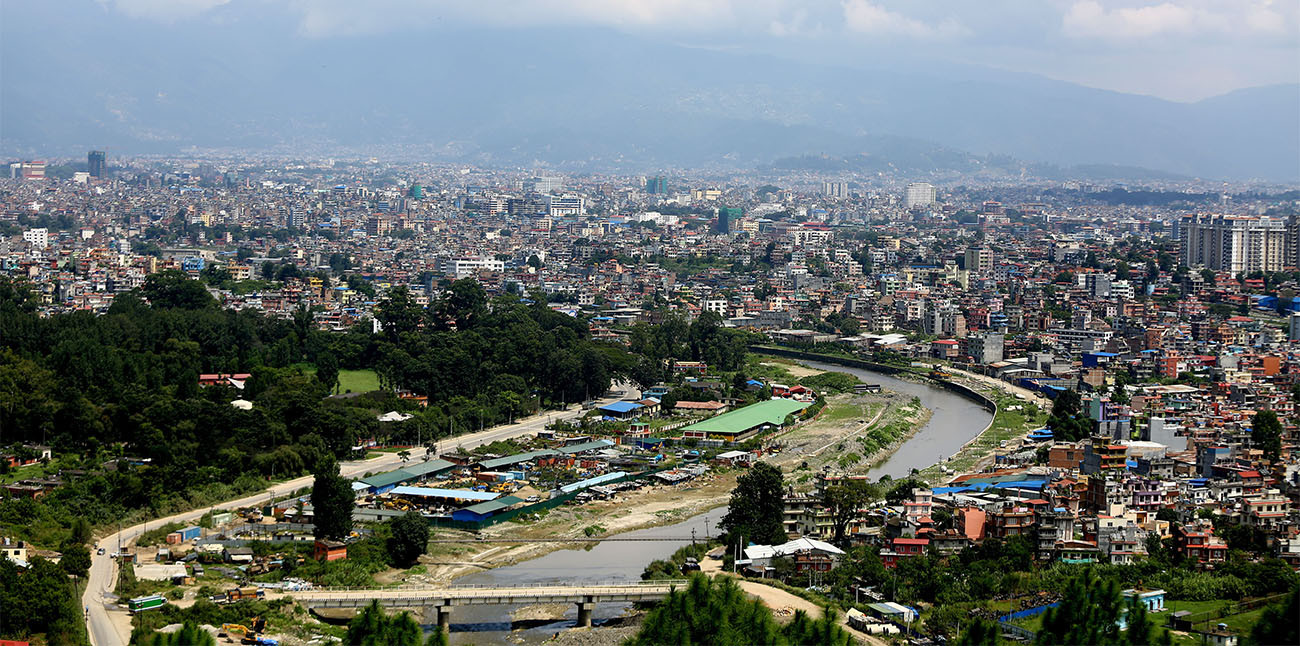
{"x": 955, "y": 421}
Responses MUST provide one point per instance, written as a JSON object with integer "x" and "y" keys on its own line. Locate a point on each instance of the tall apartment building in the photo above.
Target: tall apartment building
{"x": 39, "y": 238}
{"x": 96, "y": 163}
{"x": 918, "y": 194}
{"x": 1233, "y": 243}
{"x": 547, "y": 184}
{"x": 979, "y": 260}
{"x": 835, "y": 189}
{"x": 1292, "y": 255}
{"x": 656, "y": 185}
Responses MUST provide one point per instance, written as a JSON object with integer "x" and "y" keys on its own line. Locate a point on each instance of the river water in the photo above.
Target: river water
{"x": 955, "y": 420}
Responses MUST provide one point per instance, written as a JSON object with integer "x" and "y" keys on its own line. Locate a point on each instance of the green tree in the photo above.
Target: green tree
{"x": 410, "y": 537}
{"x": 332, "y": 502}
{"x": 75, "y": 560}
{"x": 982, "y": 632}
{"x": 844, "y": 501}
{"x": 1090, "y": 612}
{"x": 80, "y": 531}
{"x": 372, "y": 627}
{"x": 1266, "y": 434}
{"x": 1067, "y": 420}
{"x": 190, "y": 634}
{"x": 172, "y": 289}
{"x": 708, "y": 611}
{"x": 757, "y": 507}
{"x": 327, "y": 371}
{"x": 1280, "y": 622}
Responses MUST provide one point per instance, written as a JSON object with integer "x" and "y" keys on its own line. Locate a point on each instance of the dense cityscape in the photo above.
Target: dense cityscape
{"x": 650, "y": 323}
{"x": 669, "y": 342}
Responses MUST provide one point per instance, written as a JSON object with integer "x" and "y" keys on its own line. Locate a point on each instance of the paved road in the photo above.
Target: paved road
{"x": 108, "y": 624}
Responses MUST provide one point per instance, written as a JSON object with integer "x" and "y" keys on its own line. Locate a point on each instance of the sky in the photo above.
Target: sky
{"x": 1181, "y": 50}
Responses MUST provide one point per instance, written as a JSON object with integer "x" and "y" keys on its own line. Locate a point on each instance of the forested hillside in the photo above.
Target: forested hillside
{"x": 118, "y": 399}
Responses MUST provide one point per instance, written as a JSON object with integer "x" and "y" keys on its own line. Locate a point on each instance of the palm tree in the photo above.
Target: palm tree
{"x": 404, "y": 455}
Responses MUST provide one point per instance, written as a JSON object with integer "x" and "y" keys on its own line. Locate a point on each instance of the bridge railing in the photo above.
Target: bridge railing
{"x": 680, "y": 583}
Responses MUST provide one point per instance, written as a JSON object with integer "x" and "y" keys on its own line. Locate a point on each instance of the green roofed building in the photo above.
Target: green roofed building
{"x": 743, "y": 423}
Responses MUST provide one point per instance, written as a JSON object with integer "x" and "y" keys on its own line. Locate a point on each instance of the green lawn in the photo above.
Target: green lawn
{"x": 357, "y": 381}
{"x": 34, "y": 470}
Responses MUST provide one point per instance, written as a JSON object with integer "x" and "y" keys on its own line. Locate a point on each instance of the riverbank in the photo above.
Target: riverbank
{"x": 1016, "y": 411}
{"x": 835, "y": 437}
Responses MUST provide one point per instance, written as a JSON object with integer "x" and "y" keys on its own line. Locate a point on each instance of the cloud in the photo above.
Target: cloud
{"x": 868, "y": 18}
{"x": 1090, "y": 19}
{"x": 165, "y": 10}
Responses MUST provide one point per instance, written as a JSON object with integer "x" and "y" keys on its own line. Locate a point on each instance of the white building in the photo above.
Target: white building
{"x": 39, "y": 238}
{"x": 1233, "y": 243}
{"x": 559, "y": 205}
{"x": 918, "y": 194}
{"x": 547, "y": 184}
{"x": 464, "y": 267}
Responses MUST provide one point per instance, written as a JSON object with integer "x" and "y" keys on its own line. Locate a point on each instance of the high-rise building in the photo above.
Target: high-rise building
{"x": 656, "y": 185}
{"x": 1233, "y": 243}
{"x": 1292, "y": 255}
{"x": 835, "y": 189}
{"x": 918, "y": 194}
{"x": 725, "y": 217}
{"x": 979, "y": 260}
{"x": 96, "y": 163}
{"x": 546, "y": 185}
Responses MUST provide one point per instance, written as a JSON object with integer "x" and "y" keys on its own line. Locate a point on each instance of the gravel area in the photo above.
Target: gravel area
{"x": 599, "y": 636}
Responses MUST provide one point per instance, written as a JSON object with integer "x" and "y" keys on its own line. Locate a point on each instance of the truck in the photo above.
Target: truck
{"x": 140, "y": 604}
{"x": 235, "y": 594}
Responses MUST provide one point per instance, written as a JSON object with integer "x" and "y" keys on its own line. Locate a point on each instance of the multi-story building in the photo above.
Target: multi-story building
{"x": 560, "y": 205}
{"x": 97, "y": 163}
{"x": 918, "y": 194}
{"x": 835, "y": 189}
{"x": 1234, "y": 243}
{"x": 1010, "y": 520}
{"x": 979, "y": 260}
{"x": 39, "y": 237}
{"x": 463, "y": 267}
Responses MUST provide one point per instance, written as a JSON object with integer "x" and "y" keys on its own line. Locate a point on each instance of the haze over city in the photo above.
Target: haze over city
{"x": 584, "y": 322}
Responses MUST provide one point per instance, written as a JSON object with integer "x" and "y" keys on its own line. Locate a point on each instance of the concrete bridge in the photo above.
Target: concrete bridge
{"x": 442, "y": 599}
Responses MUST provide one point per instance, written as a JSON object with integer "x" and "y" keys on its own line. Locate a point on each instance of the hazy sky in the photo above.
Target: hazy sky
{"x": 1176, "y": 49}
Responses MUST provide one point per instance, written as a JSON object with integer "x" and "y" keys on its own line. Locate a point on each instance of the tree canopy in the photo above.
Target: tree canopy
{"x": 757, "y": 507}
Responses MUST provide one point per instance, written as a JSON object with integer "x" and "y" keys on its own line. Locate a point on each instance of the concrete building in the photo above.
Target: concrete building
{"x": 918, "y": 194}
{"x": 1234, "y": 243}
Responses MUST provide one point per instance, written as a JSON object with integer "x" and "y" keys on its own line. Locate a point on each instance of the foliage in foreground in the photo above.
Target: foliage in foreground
{"x": 373, "y": 627}
{"x": 716, "y": 611}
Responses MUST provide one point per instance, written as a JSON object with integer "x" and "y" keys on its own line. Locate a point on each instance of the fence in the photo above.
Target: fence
{"x": 1004, "y": 622}
{"x": 1202, "y": 620}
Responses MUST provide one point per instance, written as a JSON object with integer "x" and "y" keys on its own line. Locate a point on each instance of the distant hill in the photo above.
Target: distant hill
{"x": 587, "y": 99}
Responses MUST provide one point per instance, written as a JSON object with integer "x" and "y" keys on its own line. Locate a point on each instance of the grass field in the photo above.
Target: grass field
{"x": 357, "y": 381}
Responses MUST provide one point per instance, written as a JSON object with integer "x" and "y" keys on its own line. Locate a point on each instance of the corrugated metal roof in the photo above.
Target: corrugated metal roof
{"x": 449, "y": 494}
{"x": 586, "y": 446}
{"x": 494, "y": 506}
{"x": 591, "y": 482}
{"x": 389, "y": 478}
{"x": 772, "y": 411}
{"x": 426, "y": 468}
{"x": 516, "y": 458}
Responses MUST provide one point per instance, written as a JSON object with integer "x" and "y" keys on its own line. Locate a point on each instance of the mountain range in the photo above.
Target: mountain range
{"x": 588, "y": 98}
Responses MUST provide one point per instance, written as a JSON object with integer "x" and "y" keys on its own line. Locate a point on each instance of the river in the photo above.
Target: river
{"x": 955, "y": 420}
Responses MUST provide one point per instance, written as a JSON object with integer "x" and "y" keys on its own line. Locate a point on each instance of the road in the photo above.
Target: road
{"x": 108, "y": 625}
